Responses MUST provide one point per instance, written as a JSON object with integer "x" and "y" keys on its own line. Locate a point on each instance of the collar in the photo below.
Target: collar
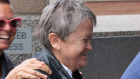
{"x": 68, "y": 70}
{"x": 48, "y": 55}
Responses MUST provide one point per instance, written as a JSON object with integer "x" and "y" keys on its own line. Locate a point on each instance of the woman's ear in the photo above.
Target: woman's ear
{"x": 55, "y": 41}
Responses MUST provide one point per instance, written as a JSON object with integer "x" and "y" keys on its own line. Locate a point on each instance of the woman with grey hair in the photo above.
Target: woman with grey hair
{"x": 65, "y": 30}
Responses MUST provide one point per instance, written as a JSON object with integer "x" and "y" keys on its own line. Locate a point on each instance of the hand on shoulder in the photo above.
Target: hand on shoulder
{"x": 27, "y": 70}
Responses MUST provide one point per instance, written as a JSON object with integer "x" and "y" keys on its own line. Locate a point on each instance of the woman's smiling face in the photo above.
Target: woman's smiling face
{"x": 73, "y": 51}
{"x": 7, "y": 34}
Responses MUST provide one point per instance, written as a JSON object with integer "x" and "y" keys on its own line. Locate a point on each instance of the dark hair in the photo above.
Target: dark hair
{"x": 5, "y": 1}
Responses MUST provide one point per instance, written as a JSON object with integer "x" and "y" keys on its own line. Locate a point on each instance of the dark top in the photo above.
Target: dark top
{"x": 7, "y": 64}
{"x": 58, "y": 71}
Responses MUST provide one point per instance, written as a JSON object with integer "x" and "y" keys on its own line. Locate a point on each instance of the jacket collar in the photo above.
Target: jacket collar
{"x": 48, "y": 55}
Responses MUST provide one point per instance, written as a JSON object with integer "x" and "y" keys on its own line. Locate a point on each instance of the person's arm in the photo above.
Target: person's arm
{"x": 27, "y": 70}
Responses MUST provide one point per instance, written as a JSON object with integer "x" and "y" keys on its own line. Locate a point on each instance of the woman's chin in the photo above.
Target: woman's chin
{"x": 83, "y": 64}
{"x": 4, "y": 47}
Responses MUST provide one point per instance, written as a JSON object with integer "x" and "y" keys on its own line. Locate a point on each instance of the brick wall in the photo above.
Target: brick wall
{"x": 114, "y": 7}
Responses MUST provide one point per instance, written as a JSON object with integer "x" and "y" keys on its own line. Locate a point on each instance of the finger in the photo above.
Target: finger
{"x": 24, "y": 72}
{"x": 42, "y": 66}
{"x": 35, "y": 73}
{"x": 36, "y": 64}
{"x": 22, "y": 75}
{"x": 30, "y": 61}
{"x": 81, "y": 73}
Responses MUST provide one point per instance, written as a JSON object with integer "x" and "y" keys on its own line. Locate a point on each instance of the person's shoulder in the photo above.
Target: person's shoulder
{"x": 133, "y": 70}
{"x": 8, "y": 60}
{"x": 42, "y": 55}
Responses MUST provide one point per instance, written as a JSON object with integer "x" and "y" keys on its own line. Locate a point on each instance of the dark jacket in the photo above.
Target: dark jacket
{"x": 58, "y": 71}
{"x": 7, "y": 64}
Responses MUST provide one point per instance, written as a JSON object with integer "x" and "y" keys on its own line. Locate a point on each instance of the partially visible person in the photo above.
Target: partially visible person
{"x": 133, "y": 70}
{"x": 65, "y": 30}
{"x": 8, "y": 26}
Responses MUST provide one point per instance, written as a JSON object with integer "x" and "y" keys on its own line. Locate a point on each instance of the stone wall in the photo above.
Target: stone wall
{"x": 28, "y": 6}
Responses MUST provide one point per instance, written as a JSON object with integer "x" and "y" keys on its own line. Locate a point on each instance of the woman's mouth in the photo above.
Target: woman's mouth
{"x": 84, "y": 53}
{"x": 4, "y": 37}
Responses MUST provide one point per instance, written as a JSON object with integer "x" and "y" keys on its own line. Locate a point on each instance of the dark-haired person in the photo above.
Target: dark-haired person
{"x": 8, "y": 26}
{"x": 65, "y": 30}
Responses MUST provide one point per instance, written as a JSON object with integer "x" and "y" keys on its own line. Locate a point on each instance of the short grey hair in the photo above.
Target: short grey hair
{"x": 62, "y": 18}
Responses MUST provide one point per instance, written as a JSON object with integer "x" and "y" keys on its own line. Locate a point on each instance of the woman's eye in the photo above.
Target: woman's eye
{"x": 85, "y": 40}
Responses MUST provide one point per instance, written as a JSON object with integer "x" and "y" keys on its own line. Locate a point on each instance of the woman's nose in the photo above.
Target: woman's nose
{"x": 89, "y": 46}
{"x": 7, "y": 27}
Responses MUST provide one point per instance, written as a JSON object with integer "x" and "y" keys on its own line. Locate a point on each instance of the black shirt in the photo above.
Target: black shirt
{"x": 7, "y": 64}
